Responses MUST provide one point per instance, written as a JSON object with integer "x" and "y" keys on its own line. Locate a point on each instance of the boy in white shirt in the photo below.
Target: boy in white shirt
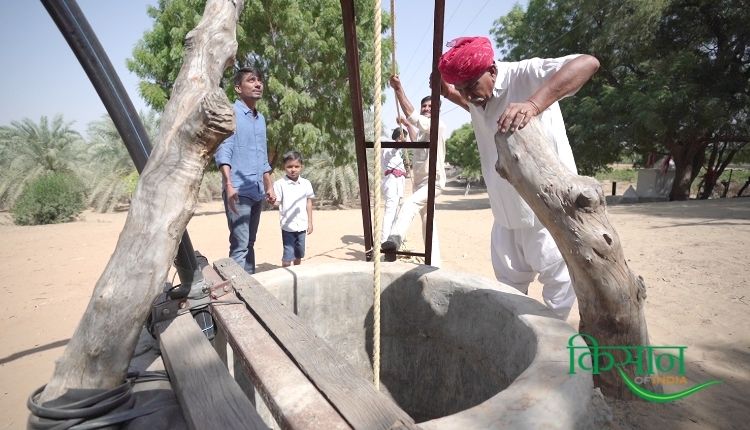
{"x": 294, "y": 196}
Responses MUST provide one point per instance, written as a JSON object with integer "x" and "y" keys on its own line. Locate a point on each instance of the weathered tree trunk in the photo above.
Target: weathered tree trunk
{"x": 197, "y": 118}
{"x": 573, "y": 208}
{"x": 688, "y": 159}
{"x": 722, "y": 153}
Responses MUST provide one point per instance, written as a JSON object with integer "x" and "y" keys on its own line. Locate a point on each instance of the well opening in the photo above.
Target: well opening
{"x": 450, "y": 342}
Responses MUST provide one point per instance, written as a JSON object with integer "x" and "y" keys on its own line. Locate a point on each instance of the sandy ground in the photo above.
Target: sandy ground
{"x": 692, "y": 255}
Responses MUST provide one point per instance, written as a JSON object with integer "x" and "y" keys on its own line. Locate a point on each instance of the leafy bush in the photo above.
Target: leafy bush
{"x": 52, "y": 198}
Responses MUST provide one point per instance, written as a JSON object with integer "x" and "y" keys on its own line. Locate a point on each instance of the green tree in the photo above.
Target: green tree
{"x": 673, "y": 77}
{"x": 461, "y": 150}
{"x": 299, "y": 47}
{"x": 109, "y": 167}
{"x": 30, "y": 150}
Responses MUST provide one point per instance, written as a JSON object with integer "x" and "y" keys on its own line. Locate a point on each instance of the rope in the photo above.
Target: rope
{"x": 378, "y": 204}
{"x": 393, "y": 54}
{"x": 405, "y": 153}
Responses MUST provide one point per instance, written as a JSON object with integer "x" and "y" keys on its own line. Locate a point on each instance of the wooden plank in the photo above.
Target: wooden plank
{"x": 208, "y": 395}
{"x": 293, "y": 400}
{"x": 220, "y": 345}
{"x": 260, "y": 364}
{"x": 350, "y": 393}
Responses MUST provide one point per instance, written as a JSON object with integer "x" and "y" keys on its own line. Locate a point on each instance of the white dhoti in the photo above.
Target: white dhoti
{"x": 519, "y": 254}
{"x": 417, "y": 203}
{"x": 393, "y": 190}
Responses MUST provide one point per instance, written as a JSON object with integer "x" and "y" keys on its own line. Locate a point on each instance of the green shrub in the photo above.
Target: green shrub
{"x": 52, "y": 198}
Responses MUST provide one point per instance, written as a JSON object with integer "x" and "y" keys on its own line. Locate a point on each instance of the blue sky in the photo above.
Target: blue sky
{"x": 41, "y": 75}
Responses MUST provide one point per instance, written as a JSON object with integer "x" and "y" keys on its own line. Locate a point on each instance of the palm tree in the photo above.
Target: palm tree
{"x": 28, "y": 150}
{"x": 333, "y": 184}
{"x": 110, "y": 170}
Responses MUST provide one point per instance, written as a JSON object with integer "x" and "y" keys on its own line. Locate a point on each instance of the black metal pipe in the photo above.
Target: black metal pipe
{"x": 76, "y": 30}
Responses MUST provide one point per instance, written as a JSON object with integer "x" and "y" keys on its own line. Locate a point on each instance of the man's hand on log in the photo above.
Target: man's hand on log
{"x": 517, "y": 115}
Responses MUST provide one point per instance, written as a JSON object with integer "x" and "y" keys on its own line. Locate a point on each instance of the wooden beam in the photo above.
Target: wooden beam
{"x": 208, "y": 395}
{"x": 258, "y": 358}
{"x": 349, "y": 392}
{"x": 293, "y": 400}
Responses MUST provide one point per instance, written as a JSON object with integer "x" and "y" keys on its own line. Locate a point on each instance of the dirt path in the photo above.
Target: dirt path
{"x": 693, "y": 257}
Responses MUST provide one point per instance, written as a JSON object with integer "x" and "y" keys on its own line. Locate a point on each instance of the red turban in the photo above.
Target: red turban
{"x": 467, "y": 59}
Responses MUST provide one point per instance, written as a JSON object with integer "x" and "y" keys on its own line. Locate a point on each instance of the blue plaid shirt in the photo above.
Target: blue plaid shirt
{"x": 246, "y": 152}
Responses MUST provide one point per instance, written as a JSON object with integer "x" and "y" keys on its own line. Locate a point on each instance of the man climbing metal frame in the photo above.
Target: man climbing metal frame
{"x": 352, "y": 60}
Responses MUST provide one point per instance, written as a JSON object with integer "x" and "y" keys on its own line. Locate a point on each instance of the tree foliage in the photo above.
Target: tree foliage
{"x": 29, "y": 150}
{"x": 461, "y": 150}
{"x": 299, "y": 47}
{"x": 674, "y": 75}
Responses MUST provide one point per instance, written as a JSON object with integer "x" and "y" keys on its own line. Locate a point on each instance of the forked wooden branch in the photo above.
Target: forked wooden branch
{"x": 196, "y": 119}
{"x": 573, "y": 209}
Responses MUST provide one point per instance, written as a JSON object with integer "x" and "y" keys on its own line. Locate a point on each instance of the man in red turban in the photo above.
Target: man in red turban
{"x": 467, "y": 60}
{"x": 504, "y": 96}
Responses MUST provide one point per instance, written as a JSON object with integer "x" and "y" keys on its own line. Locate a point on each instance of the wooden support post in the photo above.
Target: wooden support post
{"x": 196, "y": 119}
{"x": 573, "y": 208}
{"x": 220, "y": 344}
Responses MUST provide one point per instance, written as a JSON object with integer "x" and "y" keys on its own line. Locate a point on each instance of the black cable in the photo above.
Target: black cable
{"x": 88, "y": 407}
{"x": 101, "y": 409}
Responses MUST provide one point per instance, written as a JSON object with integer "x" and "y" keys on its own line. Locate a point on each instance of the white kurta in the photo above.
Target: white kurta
{"x": 420, "y": 169}
{"x": 520, "y": 245}
{"x": 516, "y": 82}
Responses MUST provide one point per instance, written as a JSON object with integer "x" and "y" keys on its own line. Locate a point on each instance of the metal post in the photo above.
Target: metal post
{"x": 83, "y": 41}
{"x": 355, "y": 90}
{"x": 437, "y": 50}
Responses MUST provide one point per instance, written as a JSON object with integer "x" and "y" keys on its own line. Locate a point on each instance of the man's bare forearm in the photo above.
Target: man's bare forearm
{"x": 569, "y": 79}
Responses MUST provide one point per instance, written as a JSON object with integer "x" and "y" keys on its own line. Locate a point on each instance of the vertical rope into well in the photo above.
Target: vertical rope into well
{"x": 378, "y": 203}
{"x": 393, "y": 53}
{"x": 405, "y": 153}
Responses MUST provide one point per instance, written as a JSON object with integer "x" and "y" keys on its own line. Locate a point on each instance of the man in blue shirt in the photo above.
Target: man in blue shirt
{"x": 243, "y": 162}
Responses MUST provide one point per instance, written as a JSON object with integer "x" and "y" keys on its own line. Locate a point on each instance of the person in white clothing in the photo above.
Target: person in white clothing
{"x": 294, "y": 196}
{"x": 394, "y": 174}
{"x": 417, "y": 202}
{"x": 503, "y": 97}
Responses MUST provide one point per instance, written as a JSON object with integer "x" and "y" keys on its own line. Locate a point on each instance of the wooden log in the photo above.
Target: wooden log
{"x": 347, "y": 390}
{"x": 574, "y": 210}
{"x": 196, "y": 119}
{"x": 208, "y": 396}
